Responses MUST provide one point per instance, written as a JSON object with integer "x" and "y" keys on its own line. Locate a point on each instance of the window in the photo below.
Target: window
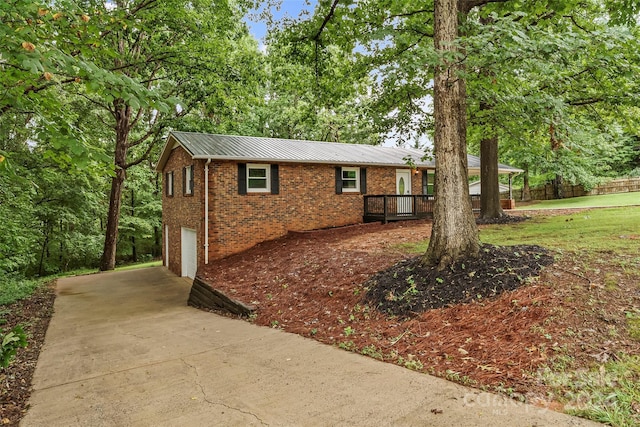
{"x": 350, "y": 179}
{"x": 258, "y": 178}
{"x": 253, "y": 178}
{"x": 187, "y": 175}
{"x": 168, "y": 180}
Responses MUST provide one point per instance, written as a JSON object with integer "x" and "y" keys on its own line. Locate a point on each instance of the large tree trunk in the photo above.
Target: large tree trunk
{"x": 489, "y": 185}
{"x": 134, "y": 251}
{"x": 526, "y": 188}
{"x": 123, "y": 116}
{"x": 157, "y": 246}
{"x": 558, "y": 192}
{"x": 454, "y": 234}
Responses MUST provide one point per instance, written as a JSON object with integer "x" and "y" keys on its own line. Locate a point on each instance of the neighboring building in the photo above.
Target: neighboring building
{"x": 224, "y": 194}
{"x": 474, "y": 188}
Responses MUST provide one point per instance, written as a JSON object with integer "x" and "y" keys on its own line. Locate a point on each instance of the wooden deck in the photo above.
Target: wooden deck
{"x": 393, "y": 207}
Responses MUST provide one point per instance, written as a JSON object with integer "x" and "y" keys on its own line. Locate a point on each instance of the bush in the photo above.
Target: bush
{"x": 11, "y": 342}
{"x": 14, "y": 287}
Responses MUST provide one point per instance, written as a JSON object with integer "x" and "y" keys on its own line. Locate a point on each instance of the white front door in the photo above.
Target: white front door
{"x": 403, "y": 188}
{"x": 188, "y": 252}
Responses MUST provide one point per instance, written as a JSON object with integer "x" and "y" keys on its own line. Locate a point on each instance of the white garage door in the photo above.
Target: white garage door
{"x": 189, "y": 252}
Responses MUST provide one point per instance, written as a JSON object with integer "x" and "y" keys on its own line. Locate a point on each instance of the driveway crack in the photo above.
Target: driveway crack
{"x": 205, "y": 397}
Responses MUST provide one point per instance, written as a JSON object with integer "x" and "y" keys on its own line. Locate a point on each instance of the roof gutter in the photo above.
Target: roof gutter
{"x": 316, "y": 162}
{"x": 472, "y": 171}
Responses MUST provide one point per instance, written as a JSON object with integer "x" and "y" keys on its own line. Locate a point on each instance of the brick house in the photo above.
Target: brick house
{"x": 223, "y": 194}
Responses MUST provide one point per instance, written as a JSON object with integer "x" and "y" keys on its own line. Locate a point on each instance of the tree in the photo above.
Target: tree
{"x": 454, "y": 234}
{"x": 83, "y": 80}
{"x": 50, "y": 206}
{"x": 312, "y": 91}
{"x": 48, "y": 46}
{"x": 553, "y": 83}
{"x": 172, "y": 49}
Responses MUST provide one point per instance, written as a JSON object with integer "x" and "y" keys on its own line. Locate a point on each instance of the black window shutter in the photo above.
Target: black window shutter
{"x": 192, "y": 184}
{"x": 184, "y": 180}
{"x": 275, "y": 180}
{"x": 363, "y": 180}
{"x": 242, "y": 178}
{"x": 166, "y": 184}
{"x": 338, "y": 180}
{"x": 425, "y": 182}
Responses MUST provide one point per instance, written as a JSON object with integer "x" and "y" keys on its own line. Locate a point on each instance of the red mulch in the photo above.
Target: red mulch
{"x": 313, "y": 284}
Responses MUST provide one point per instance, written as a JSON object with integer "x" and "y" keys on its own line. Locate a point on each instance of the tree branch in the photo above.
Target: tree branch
{"x": 573, "y": 19}
{"x": 146, "y": 153}
{"x": 326, "y": 20}
{"x": 467, "y": 5}
{"x": 412, "y": 13}
{"x": 587, "y": 101}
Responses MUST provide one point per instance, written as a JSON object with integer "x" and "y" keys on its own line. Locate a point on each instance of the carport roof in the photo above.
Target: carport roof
{"x": 277, "y": 150}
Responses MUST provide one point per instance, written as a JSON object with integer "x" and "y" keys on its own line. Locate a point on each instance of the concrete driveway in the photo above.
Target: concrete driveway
{"x": 123, "y": 349}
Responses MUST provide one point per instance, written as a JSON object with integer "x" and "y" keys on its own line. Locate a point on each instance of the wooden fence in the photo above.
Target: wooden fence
{"x": 545, "y": 192}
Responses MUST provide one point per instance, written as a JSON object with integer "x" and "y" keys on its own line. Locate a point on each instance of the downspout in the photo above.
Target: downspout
{"x": 206, "y": 212}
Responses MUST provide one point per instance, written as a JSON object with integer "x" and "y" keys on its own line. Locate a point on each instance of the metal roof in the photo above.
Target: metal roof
{"x": 270, "y": 150}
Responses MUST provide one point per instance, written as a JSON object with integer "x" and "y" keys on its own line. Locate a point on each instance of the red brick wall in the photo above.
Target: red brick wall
{"x": 182, "y": 211}
{"x": 383, "y": 181}
{"x": 306, "y": 201}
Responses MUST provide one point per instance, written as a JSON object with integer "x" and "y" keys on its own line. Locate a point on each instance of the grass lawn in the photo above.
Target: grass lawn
{"x": 611, "y": 391}
{"x": 603, "y": 242}
{"x": 610, "y": 229}
{"x": 605, "y": 200}
{"x": 14, "y": 287}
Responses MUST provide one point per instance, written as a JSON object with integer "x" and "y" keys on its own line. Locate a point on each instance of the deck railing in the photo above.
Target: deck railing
{"x": 394, "y": 207}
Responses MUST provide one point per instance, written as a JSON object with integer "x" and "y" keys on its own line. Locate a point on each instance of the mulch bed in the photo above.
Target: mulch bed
{"x": 34, "y": 314}
{"x": 410, "y": 288}
{"x": 323, "y": 285}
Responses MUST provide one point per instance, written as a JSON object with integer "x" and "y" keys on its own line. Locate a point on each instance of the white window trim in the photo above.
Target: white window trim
{"x": 189, "y": 180}
{"x": 351, "y": 190}
{"x": 267, "y": 169}
{"x": 169, "y": 189}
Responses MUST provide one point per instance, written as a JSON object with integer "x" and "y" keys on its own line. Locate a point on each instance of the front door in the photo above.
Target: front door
{"x": 403, "y": 188}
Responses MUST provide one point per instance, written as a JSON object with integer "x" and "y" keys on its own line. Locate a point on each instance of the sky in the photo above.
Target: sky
{"x": 288, "y": 8}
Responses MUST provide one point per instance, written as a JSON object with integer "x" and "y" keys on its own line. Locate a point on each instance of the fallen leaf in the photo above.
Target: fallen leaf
{"x": 30, "y": 47}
